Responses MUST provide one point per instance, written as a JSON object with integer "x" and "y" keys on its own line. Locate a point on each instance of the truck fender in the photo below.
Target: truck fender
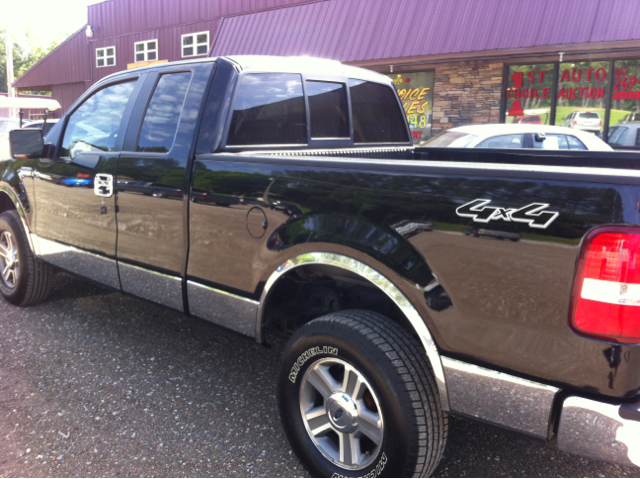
{"x": 379, "y": 280}
{"x": 8, "y": 197}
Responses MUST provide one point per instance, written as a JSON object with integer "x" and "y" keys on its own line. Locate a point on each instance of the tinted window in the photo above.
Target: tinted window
{"x": 269, "y": 110}
{"x": 575, "y": 144}
{"x": 163, "y": 113}
{"x": 328, "y": 110}
{"x": 617, "y": 135}
{"x": 551, "y": 142}
{"x": 590, "y": 115}
{"x": 504, "y": 141}
{"x": 377, "y": 117}
{"x": 638, "y": 137}
{"x": 94, "y": 125}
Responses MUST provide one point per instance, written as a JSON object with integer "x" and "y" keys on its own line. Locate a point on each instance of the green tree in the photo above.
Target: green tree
{"x": 25, "y": 55}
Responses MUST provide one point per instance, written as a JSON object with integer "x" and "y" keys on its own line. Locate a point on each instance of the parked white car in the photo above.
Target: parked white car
{"x": 543, "y": 137}
{"x": 6, "y": 125}
{"x": 39, "y": 124}
{"x": 584, "y": 121}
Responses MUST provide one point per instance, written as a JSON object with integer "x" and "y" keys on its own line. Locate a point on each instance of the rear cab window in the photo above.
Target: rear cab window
{"x": 269, "y": 110}
{"x": 291, "y": 110}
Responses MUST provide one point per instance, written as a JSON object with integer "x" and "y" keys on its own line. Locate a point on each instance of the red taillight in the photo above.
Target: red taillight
{"x": 606, "y": 291}
{"x": 600, "y": 123}
{"x": 575, "y": 122}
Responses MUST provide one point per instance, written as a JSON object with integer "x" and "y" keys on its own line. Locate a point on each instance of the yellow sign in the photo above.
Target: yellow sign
{"x": 145, "y": 64}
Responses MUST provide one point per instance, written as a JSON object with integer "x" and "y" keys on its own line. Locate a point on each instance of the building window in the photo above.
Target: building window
{"x": 195, "y": 44}
{"x": 146, "y": 51}
{"x": 528, "y": 96}
{"x": 105, "y": 57}
{"x": 581, "y": 102}
{"x": 625, "y": 95}
{"x": 416, "y": 92}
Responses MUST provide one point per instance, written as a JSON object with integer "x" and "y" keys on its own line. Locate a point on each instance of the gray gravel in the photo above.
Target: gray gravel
{"x": 94, "y": 383}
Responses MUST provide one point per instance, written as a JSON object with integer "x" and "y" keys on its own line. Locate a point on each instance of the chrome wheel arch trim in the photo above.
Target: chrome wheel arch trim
{"x": 379, "y": 280}
{"x": 4, "y": 188}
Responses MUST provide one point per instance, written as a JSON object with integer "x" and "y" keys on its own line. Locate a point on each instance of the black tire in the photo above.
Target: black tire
{"x": 395, "y": 366}
{"x": 34, "y": 278}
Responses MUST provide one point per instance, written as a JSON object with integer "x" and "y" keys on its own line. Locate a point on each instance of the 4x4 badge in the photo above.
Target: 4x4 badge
{"x": 535, "y": 214}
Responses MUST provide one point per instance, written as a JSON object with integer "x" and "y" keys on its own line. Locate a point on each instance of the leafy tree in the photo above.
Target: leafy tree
{"x": 23, "y": 59}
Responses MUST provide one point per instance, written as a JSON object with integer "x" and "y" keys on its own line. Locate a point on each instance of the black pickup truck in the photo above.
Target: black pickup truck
{"x": 284, "y": 196}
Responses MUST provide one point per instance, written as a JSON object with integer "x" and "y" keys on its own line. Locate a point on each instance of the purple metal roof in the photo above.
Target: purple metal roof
{"x": 375, "y": 29}
{"x": 346, "y": 30}
{"x": 119, "y": 17}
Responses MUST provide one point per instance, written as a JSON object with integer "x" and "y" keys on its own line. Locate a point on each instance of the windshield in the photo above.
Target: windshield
{"x": 451, "y": 139}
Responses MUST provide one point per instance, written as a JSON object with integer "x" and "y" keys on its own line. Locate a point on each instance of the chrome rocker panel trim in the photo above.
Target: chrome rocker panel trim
{"x": 98, "y": 268}
{"x": 607, "y": 432}
{"x": 147, "y": 284}
{"x": 499, "y": 398}
{"x": 222, "y": 308}
{"x": 381, "y": 282}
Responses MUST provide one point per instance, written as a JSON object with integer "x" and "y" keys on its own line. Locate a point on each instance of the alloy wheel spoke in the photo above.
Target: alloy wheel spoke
{"x": 3, "y": 250}
{"x": 349, "y": 449}
{"x": 5, "y": 272}
{"x": 9, "y": 241}
{"x": 320, "y": 379}
{"x": 369, "y": 425}
{"x": 352, "y": 383}
{"x": 318, "y": 422}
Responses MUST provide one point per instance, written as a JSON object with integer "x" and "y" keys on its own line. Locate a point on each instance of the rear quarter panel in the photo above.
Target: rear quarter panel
{"x": 509, "y": 300}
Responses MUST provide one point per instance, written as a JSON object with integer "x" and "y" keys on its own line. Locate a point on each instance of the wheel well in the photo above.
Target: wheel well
{"x": 5, "y": 203}
{"x": 311, "y": 291}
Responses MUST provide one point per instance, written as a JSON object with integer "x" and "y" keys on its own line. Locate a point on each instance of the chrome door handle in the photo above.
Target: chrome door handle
{"x": 103, "y": 185}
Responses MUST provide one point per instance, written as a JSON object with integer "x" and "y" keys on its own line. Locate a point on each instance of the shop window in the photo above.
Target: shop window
{"x": 528, "y": 95}
{"x": 625, "y": 94}
{"x": 105, "y": 57}
{"x": 146, "y": 51}
{"x": 416, "y": 93}
{"x": 195, "y": 44}
{"x": 581, "y": 103}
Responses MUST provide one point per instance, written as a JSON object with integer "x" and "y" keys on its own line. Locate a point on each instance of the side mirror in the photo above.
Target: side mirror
{"x": 541, "y": 137}
{"x": 26, "y": 144}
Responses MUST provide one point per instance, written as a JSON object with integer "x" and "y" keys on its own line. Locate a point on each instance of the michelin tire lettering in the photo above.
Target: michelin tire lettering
{"x": 304, "y": 357}
{"x": 375, "y": 472}
{"x": 535, "y": 215}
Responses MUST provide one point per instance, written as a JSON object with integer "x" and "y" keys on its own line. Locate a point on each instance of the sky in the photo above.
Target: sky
{"x": 46, "y": 20}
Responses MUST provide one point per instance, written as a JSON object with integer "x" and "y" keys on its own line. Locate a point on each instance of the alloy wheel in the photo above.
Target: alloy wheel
{"x": 341, "y": 413}
{"x": 9, "y": 261}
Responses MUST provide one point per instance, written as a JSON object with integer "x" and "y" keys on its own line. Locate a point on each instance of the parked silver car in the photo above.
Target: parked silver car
{"x": 625, "y": 135}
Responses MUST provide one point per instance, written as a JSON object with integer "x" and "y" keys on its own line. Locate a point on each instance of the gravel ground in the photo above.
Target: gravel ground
{"x": 93, "y": 383}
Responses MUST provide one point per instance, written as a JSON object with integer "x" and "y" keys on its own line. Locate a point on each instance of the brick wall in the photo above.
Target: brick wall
{"x": 466, "y": 94}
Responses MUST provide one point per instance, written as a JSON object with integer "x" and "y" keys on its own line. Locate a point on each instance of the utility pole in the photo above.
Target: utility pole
{"x": 8, "y": 44}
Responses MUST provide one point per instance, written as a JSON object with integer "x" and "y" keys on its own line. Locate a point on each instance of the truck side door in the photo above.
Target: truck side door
{"x": 75, "y": 191}
{"x": 152, "y": 183}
